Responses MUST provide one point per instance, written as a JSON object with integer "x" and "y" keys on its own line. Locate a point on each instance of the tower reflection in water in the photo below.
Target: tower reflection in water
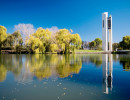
{"x": 107, "y": 68}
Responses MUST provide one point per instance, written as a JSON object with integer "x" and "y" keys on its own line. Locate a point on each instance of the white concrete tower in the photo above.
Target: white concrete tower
{"x": 106, "y": 26}
{"x": 110, "y": 32}
{"x": 104, "y": 31}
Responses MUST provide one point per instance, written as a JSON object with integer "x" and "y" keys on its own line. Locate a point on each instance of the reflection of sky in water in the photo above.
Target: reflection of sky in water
{"x": 60, "y": 77}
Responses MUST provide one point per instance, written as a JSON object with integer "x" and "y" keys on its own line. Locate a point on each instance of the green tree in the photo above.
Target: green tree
{"x": 9, "y": 41}
{"x": 98, "y": 43}
{"x": 125, "y": 43}
{"x": 115, "y": 46}
{"x": 3, "y": 35}
{"x": 17, "y": 38}
{"x": 92, "y": 45}
{"x": 18, "y": 41}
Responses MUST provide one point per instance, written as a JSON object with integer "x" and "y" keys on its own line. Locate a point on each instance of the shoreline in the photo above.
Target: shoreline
{"x": 98, "y": 52}
{"x": 93, "y": 52}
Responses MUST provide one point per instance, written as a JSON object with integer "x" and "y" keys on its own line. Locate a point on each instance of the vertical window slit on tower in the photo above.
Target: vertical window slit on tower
{"x": 103, "y": 23}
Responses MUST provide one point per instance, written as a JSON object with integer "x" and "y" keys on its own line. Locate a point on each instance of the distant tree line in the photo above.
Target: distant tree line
{"x": 42, "y": 41}
{"x": 96, "y": 44}
{"x": 123, "y": 45}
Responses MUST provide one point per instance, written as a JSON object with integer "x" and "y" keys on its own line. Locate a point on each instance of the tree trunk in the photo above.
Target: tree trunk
{"x": 0, "y": 47}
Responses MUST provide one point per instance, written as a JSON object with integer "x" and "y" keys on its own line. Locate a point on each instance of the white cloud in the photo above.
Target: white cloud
{"x": 25, "y": 29}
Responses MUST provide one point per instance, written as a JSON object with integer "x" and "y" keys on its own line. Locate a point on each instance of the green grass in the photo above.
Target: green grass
{"x": 89, "y": 51}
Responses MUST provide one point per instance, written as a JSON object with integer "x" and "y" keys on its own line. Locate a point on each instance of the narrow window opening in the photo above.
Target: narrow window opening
{"x": 103, "y": 23}
{"x": 109, "y": 23}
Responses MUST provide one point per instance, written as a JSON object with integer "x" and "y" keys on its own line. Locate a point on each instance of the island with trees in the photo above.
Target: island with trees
{"x": 43, "y": 41}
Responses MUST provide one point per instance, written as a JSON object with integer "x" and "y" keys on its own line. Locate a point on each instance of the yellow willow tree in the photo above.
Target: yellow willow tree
{"x": 67, "y": 41}
{"x": 3, "y": 35}
{"x": 53, "y": 47}
{"x": 36, "y": 45}
{"x": 63, "y": 37}
{"x": 39, "y": 40}
{"x": 76, "y": 42}
{"x": 43, "y": 41}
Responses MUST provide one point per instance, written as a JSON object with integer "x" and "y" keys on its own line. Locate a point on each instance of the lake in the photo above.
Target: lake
{"x": 65, "y": 77}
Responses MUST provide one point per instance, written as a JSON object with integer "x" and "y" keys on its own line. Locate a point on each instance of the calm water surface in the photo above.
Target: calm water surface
{"x": 65, "y": 77}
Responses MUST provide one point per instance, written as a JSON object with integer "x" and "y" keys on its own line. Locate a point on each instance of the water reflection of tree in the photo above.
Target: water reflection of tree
{"x": 96, "y": 59}
{"x": 125, "y": 61}
{"x": 42, "y": 66}
{"x": 68, "y": 65}
{"x": 11, "y": 63}
{"x": 39, "y": 65}
{"x": 3, "y": 73}
{"x": 93, "y": 58}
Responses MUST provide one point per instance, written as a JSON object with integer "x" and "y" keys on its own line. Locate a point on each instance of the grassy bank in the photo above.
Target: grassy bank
{"x": 88, "y": 51}
{"x": 31, "y": 52}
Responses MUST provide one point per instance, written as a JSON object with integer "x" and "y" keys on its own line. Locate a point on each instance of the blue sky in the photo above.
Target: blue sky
{"x": 83, "y": 16}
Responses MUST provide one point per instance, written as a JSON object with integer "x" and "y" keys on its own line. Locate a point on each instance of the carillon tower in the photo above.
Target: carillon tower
{"x": 106, "y": 28}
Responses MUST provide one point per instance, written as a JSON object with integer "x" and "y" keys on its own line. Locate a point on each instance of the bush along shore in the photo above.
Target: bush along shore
{"x": 42, "y": 41}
